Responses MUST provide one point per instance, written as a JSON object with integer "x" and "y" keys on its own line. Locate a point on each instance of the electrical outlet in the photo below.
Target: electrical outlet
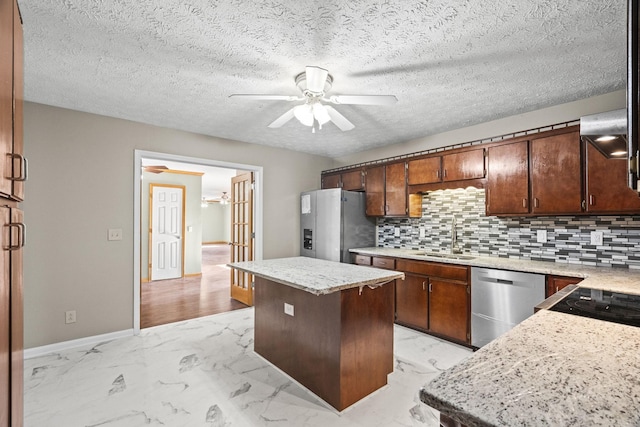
{"x": 597, "y": 238}
{"x": 114, "y": 234}
{"x": 542, "y": 236}
{"x": 422, "y": 233}
{"x": 396, "y": 231}
{"x": 70, "y": 316}
{"x": 288, "y": 309}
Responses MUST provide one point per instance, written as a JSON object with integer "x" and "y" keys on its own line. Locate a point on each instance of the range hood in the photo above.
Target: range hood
{"x": 607, "y": 132}
{"x": 615, "y": 133}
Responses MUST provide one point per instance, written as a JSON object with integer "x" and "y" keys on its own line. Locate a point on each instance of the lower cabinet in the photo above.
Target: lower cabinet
{"x": 412, "y": 301}
{"x": 434, "y": 298}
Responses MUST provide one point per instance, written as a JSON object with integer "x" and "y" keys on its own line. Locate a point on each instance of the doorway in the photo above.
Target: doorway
{"x": 212, "y": 256}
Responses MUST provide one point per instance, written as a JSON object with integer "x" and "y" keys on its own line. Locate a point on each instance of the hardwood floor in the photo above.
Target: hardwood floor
{"x": 167, "y": 301}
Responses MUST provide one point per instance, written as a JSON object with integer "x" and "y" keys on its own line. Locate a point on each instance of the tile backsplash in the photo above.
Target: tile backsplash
{"x": 568, "y": 237}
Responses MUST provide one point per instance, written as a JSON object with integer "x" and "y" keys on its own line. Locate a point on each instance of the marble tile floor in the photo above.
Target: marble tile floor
{"x": 203, "y": 372}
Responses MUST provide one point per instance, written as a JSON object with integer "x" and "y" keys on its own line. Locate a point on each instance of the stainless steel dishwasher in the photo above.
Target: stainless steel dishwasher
{"x": 500, "y": 300}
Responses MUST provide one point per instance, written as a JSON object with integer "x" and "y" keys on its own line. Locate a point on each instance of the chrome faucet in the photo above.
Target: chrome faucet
{"x": 454, "y": 237}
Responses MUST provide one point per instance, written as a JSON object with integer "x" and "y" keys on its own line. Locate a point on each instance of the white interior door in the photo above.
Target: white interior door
{"x": 166, "y": 248}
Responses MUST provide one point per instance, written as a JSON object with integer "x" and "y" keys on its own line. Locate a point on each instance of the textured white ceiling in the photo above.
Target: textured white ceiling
{"x": 451, "y": 64}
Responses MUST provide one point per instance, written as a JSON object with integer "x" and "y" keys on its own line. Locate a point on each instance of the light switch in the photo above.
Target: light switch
{"x": 189, "y": 228}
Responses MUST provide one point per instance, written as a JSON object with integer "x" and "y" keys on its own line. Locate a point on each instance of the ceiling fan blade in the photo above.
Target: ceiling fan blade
{"x": 267, "y": 97}
{"x": 316, "y": 78}
{"x": 363, "y": 99}
{"x": 338, "y": 119}
{"x": 282, "y": 119}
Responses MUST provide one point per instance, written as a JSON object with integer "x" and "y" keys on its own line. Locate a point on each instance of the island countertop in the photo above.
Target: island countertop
{"x": 317, "y": 276}
{"x": 552, "y": 369}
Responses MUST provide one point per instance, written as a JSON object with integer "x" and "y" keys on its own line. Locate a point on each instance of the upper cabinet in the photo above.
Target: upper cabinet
{"x": 457, "y": 166}
{"x": 386, "y": 192}
{"x": 13, "y": 167}
{"x": 540, "y": 177}
{"x": 605, "y": 184}
{"x": 351, "y": 180}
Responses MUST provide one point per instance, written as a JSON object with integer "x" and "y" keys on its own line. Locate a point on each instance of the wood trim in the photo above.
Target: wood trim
{"x": 144, "y": 280}
{"x": 182, "y": 172}
{"x": 192, "y": 275}
{"x": 217, "y": 242}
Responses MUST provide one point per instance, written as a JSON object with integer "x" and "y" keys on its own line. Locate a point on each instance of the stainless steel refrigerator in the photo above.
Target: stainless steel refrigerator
{"x": 332, "y": 221}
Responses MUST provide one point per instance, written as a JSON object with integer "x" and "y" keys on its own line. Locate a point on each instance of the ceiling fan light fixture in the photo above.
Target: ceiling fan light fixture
{"x": 304, "y": 114}
{"x": 320, "y": 113}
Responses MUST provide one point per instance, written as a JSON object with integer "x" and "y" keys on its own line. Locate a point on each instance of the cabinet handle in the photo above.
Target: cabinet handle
{"x": 445, "y": 173}
{"x": 592, "y": 200}
{"x": 536, "y": 202}
{"x": 24, "y": 167}
{"x": 437, "y": 174}
{"x": 524, "y": 203}
{"x": 430, "y": 287}
{"x": 22, "y": 229}
{"x": 584, "y": 205}
{"x": 424, "y": 288}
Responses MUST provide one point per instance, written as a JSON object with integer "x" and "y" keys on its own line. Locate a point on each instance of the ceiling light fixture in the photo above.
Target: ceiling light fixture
{"x": 224, "y": 199}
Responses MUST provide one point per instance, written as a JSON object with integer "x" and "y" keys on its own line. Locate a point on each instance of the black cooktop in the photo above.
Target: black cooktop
{"x": 604, "y": 305}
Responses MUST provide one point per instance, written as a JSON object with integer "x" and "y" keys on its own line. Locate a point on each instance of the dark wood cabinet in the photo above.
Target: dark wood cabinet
{"x": 351, "y": 180}
{"x": 449, "y": 303}
{"x": 463, "y": 165}
{"x": 537, "y": 177}
{"x": 425, "y": 171}
{"x": 412, "y": 303}
{"x": 386, "y": 192}
{"x": 556, "y": 283}
{"x": 605, "y": 184}
{"x": 375, "y": 194}
{"x": 331, "y": 181}
{"x": 434, "y": 298}
{"x": 457, "y": 166}
{"x": 508, "y": 179}
{"x": 555, "y": 168}
{"x": 12, "y": 175}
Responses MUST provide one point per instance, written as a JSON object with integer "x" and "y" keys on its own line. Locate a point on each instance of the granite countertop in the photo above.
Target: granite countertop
{"x": 552, "y": 369}
{"x": 605, "y": 278}
{"x": 317, "y": 276}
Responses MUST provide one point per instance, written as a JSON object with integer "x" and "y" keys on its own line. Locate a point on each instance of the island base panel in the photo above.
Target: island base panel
{"x": 339, "y": 345}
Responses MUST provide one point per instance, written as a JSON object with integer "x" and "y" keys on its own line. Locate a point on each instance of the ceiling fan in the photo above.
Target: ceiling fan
{"x": 314, "y": 83}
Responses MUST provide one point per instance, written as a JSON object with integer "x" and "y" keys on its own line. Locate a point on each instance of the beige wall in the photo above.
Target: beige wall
{"x": 535, "y": 119}
{"x": 216, "y": 223}
{"x": 81, "y": 184}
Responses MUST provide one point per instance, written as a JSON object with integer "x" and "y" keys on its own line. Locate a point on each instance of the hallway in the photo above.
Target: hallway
{"x": 168, "y": 301}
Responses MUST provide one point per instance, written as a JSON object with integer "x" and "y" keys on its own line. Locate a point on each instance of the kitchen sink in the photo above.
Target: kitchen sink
{"x": 441, "y": 255}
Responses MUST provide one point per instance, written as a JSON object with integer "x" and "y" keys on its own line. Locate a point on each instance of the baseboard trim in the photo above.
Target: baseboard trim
{"x": 144, "y": 280}
{"x": 193, "y": 275}
{"x": 30, "y": 353}
{"x": 217, "y": 242}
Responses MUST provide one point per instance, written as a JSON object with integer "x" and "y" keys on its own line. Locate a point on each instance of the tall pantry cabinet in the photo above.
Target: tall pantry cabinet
{"x": 13, "y": 173}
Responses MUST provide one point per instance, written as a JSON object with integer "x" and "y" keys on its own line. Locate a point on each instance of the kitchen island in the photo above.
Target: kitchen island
{"x": 327, "y": 325}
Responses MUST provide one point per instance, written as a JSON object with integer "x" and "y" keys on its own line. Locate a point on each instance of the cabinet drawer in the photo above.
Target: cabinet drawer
{"x": 434, "y": 269}
{"x": 388, "y": 263}
{"x": 362, "y": 260}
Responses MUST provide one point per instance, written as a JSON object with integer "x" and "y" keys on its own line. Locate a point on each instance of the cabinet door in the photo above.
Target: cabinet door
{"x": 331, "y": 181}
{"x": 556, "y": 184}
{"x": 449, "y": 309}
{"x": 5, "y": 325}
{"x": 16, "y": 241}
{"x": 353, "y": 180}
{"x": 19, "y": 165}
{"x": 396, "y": 189}
{"x": 424, "y": 171}
{"x": 556, "y": 283}
{"x": 412, "y": 307}
{"x": 374, "y": 191}
{"x": 463, "y": 165}
{"x": 6, "y": 96}
{"x": 508, "y": 179}
{"x": 606, "y": 184}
